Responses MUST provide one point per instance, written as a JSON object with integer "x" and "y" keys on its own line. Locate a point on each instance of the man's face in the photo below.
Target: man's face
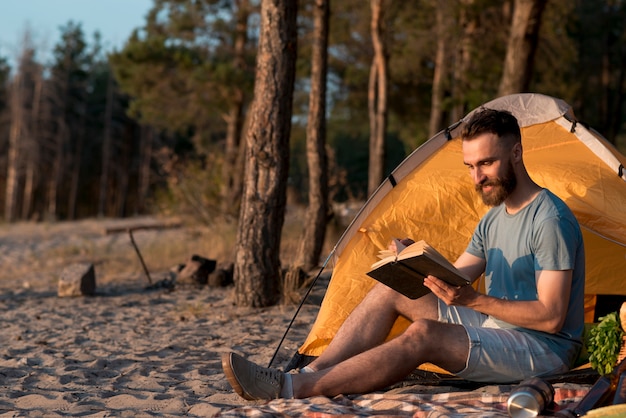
{"x": 490, "y": 167}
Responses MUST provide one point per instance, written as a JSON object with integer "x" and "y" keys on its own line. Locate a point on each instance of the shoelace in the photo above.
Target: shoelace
{"x": 270, "y": 376}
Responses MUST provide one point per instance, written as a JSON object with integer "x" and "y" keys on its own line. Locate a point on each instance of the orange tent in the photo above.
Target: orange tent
{"x": 430, "y": 196}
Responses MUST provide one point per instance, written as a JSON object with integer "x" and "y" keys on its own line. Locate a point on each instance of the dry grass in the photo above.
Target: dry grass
{"x": 37, "y": 252}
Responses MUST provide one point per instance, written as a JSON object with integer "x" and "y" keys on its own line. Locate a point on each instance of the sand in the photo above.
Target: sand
{"x": 134, "y": 351}
{"x": 126, "y": 351}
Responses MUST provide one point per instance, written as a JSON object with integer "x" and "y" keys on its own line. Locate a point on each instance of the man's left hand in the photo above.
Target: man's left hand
{"x": 449, "y": 294}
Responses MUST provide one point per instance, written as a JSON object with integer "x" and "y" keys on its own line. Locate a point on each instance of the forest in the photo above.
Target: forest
{"x": 159, "y": 126}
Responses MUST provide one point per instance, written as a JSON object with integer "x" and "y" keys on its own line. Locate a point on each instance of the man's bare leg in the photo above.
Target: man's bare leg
{"x": 370, "y": 322}
{"x": 446, "y": 345}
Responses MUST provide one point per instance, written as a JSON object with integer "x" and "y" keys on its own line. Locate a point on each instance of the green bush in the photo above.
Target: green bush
{"x": 604, "y": 342}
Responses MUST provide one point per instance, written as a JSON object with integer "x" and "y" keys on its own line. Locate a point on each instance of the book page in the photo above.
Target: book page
{"x": 406, "y": 271}
{"x": 386, "y": 253}
{"x": 390, "y": 256}
{"x": 422, "y": 247}
{"x": 417, "y": 248}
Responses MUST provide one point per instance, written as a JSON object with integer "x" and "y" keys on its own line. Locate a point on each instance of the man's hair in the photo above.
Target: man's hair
{"x": 498, "y": 122}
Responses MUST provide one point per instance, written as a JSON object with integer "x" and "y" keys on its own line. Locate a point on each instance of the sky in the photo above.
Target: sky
{"x": 114, "y": 19}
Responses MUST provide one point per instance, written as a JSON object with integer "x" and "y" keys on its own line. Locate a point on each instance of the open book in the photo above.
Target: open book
{"x": 405, "y": 271}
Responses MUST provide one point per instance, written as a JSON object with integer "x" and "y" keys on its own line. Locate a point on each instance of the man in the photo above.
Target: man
{"x": 529, "y": 322}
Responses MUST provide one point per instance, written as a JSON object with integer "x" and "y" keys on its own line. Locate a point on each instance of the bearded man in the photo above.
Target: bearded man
{"x": 529, "y": 322}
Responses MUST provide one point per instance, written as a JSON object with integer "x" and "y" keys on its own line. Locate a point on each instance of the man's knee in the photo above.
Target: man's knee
{"x": 420, "y": 330}
{"x": 440, "y": 343}
{"x": 432, "y": 333}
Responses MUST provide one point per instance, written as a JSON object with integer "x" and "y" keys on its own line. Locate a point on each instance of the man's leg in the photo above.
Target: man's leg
{"x": 357, "y": 360}
{"x": 446, "y": 345}
{"x": 370, "y": 322}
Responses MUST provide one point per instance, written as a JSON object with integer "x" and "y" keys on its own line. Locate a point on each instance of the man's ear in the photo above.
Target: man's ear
{"x": 517, "y": 152}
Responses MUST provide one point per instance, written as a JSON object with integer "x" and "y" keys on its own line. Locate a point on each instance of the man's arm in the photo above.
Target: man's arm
{"x": 471, "y": 265}
{"x": 547, "y": 313}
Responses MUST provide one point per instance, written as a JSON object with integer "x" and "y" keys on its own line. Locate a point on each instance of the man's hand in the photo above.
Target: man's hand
{"x": 451, "y": 295}
{"x": 547, "y": 313}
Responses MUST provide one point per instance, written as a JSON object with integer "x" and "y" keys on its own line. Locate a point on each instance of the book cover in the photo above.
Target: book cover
{"x": 405, "y": 272}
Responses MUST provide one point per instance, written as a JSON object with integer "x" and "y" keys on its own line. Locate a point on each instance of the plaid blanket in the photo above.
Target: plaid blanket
{"x": 412, "y": 401}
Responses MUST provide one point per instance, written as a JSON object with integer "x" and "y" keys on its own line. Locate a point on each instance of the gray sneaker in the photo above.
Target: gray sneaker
{"x": 250, "y": 381}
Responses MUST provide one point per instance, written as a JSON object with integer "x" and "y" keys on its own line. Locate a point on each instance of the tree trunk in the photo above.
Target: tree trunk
{"x": 436, "y": 104}
{"x": 257, "y": 263}
{"x": 121, "y": 179}
{"x": 33, "y": 149}
{"x": 462, "y": 60}
{"x": 106, "y": 148}
{"x": 62, "y": 138}
{"x": 77, "y": 162}
{"x": 240, "y": 164}
{"x": 147, "y": 134}
{"x": 15, "y": 136}
{"x": 522, "y": 45}
{"x": 57, "y": 170}
{"x": 317, "y": 212}
{"x": 231, "y": 186}
{"x": 377, "y": 99}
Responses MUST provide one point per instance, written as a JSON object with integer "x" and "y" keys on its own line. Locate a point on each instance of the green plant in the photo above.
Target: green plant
{"x": 604, "y": 343}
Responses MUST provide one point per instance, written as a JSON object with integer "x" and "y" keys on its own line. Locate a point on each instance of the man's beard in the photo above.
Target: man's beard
{"x": 501, "y": 188}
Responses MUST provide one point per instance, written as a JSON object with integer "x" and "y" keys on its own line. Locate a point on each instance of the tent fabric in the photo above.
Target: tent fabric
{"x": 430, "y": 196}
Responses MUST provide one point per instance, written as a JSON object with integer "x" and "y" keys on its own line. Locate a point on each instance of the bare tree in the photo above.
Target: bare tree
{"x": 76, "y": 162}
{"x": 462, "y": 61}
{"x": 147, "y": 139}
{"x": 122, "y": 168}
{"x": 522, "y": 45}
{"x": 443, "y": 25}
{"x": 15, "y": 134}
{"x": 231, "y": 188}
{"x": 22, "y": 90}
{"x": 377, "y": 97}
{"x": 317, "y": 212}
{"x": 69, "y": 75}
{"x": 257, "y": 263}
{"x": 32, "y": 147}
{"x": 106, "y": 146}
{"x": 55, "y": 180}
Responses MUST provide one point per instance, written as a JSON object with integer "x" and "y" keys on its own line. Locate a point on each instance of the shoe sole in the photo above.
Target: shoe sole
{"x": 230, "y": 376}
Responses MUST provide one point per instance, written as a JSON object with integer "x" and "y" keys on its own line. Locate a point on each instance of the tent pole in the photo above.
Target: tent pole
{"x": 306, "y": 295}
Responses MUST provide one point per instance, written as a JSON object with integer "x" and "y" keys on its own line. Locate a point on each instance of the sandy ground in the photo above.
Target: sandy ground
{"x": 127, "y": 351}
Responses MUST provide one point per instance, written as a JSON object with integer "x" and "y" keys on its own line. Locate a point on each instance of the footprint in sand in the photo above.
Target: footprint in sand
{"x": 161, "y": 403}
{"x": 35, "y": 402}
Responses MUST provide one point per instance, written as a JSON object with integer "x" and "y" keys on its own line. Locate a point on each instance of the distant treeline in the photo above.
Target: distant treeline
{"x": 157, "y": 125}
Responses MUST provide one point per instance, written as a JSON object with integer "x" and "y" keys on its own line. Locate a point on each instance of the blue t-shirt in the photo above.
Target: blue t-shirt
{"x": 544, "y": 235}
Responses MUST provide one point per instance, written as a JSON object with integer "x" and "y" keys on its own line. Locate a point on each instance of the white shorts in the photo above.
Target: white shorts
{"x": 500, "y": 355}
